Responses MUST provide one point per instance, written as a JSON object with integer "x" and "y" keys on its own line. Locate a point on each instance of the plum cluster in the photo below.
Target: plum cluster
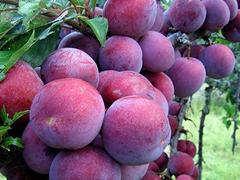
{"x": 108, "y": 113}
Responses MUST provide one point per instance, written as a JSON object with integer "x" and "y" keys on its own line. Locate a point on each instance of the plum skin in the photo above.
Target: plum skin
{"x": 187, "y": 16}
{"x": 121, "y": 53}
{"x": 87, "y": 163}
{"x": 125, "y": 119}
{"x": 158, "y": 52}
{"x": 36, "y": 154}
{"x": 70, "y": 63}
{"x": 18, "y": 89}
{"x": 219, "y": 61}
{"x": 57, "y": 116}
{"x": 135, "y": 22}
{"x": 181, "y": 163}
{"x": 133, "y": 172}
{"x": 187, "y": 75}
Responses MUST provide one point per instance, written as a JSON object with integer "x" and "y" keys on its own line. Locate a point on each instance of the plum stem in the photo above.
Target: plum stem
{"x": 205, "y": 112}
{"x": 180, "y": 117}
{"x": 235, "y": 117}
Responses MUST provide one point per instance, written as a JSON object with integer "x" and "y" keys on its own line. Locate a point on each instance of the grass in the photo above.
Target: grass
{"x": 220, "y": 163}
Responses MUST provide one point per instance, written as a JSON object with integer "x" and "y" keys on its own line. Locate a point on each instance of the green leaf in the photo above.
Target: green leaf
{"x": 61, "y": 3}
{"x": 230, "y": 109}
{"x": 18, "y": 115}
{"x": 4, "y": 115}
{"x": 41, "y": 49}
{"x": 77, "y": 2}
{"x": 99, "y": 26}
{"x": 4, "y": 130}
{"x": 11, "y": 141}
{"x": 2, "y": 177}
{"x": 93, "y": 3}
{"x": 11, "y": 57}
{"x": 101, "y": 2}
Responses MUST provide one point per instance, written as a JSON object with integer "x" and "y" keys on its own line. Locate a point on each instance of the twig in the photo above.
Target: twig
{"x": 205, "y": 112}
{"x": 12, "y": 2}
{"x": 180, "y": 118}
{"x": 235, "y": 117}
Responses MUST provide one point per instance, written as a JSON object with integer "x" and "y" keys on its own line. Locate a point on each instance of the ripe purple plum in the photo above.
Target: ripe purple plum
{"x": 174, "y": 108}
{"x": 123, "y": 84}
{"x": 177, "y": 54}
{"x": 180, "y": 163}
{"x": 97, "y": 142}
{"x": 158, "y": 52}
{"x": 121, "y": 53}
{"x": 36, "y": 154}
{"x": 135, "y": 22}
{"x": 64, "y": 109}
{"x": 187, "y": 16}
{"x": 186, "y": 147}
{"x": 195, "y": 51}
{"x": 184, "y": 177}
{"x": 219, "y": 61}
{"x": 173, "y": 124}
{"x": 133, "y": 172}
{"x": 162, "y": 162}
{"x": 218, "y": 14}
{"x": 162, "y": 82}
{"x": 232, "y": 31}
{"x": 233, "y": 8}
{"x": 98, "y": 12}
{"x": 18, "y": 89}
{"x": 151, "y": 176}
{"x": 153, "y": 167}
{"x": 70, "y": 63}
{"x": 87, "y": 163}
{"x": 157, "y": 26}
{"x": 195, "y": 173}
{"x": 166, "y": 24}
{"x": 83, "y": 42}
{"x": 143, "y": 123}
{"x": 104, "y": 76}
{"x": 187, "y": 75}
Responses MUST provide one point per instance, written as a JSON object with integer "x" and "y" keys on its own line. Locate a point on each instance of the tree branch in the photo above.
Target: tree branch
{"x": 205, "y": 112}
{"x": 235, "y": 117}
{"x": 180, "y": 118}
{"x": 12, "y": 2}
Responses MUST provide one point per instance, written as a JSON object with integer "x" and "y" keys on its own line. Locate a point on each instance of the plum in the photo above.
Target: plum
{"x": 141, "y": 122}
{"x": 98, "y": 12}
{"x": 186, "y": 147}
{"x": 162, "y": 82}
{"x": 97, "y": 142}
{"x": 158, "y": 23}
{"x": 174, "y": 108}
{"x": 18, "y": 89}
{"x": 173, "y": 124}
{"x": 104, "y": 76}
{"x": 70, "y": 63}
{"x": 187, "y": 16}
{"x": 121, "y": 53}
{"x": 133, "y": 172}
{"x": 180, "y": 163}
{"x": 166, "y": 24}
{"x": 151, "y": 176}
{"x": 195, "y": 51}
{"x": 36, "y": 154}
{"x": 87, "y": 163}
{"x": 233, "y": 8}
{"x": 218, "y": 14}
{"x": 232, "y": 30}
{"x": 162, "y": 161}
{"x": 83, "y": 42}
{"x": 184, "y": 177}
{"x": 219, "y": 61}
{"x": 131, "y": 18}
{"x": 153, "y": 167}
{"x": 64, "y": 109}
{"x": 195, "y": 173}
{"x": 158, "y": 52}
{"x": 187, "y": 75}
